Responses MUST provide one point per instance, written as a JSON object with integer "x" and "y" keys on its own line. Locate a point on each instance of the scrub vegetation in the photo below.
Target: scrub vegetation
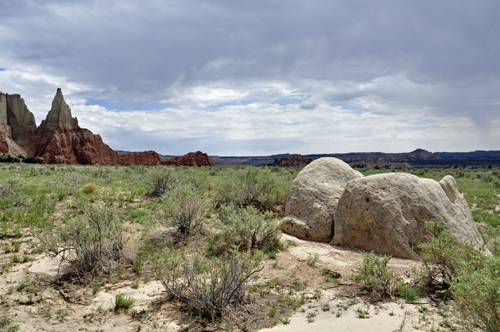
{"x": 203, "y": 233}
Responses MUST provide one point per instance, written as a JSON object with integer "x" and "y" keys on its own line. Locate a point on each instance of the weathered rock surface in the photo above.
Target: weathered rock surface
{"x": 312, "y": 200}
{"x": 21, "y": 120}
{"x": 4, "y": 122}
{"x": 386, "y": 213}
{"x": 295, "y": 160}
{"x": 197, "y": 158}
{"x": 17, "y": 124}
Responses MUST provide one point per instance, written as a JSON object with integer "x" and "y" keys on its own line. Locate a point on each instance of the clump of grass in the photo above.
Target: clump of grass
{"x": 137, "y": 267}
{"x": 61, "y": 313}
{"x": 329, "y": 276}
{"x": 363, "y": 313}
{"x": 312, "y": 260}
{"x": 95, "y": 288}
{"x": 375, "y": 276}
{"x": 123, "y": 302}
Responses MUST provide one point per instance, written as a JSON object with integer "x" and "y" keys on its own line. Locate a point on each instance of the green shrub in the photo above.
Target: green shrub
{"x": 477, "y": 294}
{"x": 137, "y": 266}
{"x": 92, "y": 245}
{"x": 407, "y": 292}
{"x": 375, "y": 276}
{"x": 211, "y": 287}
{"x": 246, "y": 228}
{"x": 89, "y": 188}
{"x": 473, "y": 278}
{"x": 443, "y": 255}
{"x": 160, "y": 180}
{"x": 186, "y": 207}
{"x": 252, "y": 186}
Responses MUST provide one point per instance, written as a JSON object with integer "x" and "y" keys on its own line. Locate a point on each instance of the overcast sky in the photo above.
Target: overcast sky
{"x": 262, "y": 77}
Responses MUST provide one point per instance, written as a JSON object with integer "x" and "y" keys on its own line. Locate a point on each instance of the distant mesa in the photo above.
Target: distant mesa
{"x": 380, "y": 165}
{"x": 294, "y": 160}
{"x": 60, "y": 140}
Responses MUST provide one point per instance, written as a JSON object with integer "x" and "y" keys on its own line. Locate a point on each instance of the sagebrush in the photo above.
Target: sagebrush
{"x": 211, "y": 287}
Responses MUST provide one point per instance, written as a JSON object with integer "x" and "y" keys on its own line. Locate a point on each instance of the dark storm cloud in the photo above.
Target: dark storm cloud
{"x": 439, "y": 58}
{"x": 144, "y": 48}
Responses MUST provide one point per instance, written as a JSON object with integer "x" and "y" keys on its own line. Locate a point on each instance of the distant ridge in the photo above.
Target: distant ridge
{"x": 416, "y": 158}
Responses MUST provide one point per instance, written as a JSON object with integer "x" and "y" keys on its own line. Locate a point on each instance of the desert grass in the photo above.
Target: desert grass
{"x": 38, "y": 200}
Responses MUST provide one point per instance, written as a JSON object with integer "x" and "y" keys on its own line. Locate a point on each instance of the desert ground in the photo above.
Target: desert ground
{"x": 300, "y": 285}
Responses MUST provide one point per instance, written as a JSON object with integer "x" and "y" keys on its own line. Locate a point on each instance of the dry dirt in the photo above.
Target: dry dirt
{"x": 41, "y": 306}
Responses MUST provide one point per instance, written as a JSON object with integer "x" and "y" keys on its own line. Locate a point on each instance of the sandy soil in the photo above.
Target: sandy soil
{"x": 41, "y": 306}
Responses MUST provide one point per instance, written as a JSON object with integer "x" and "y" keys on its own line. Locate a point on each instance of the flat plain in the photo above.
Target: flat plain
{"x": 297, "y": 284}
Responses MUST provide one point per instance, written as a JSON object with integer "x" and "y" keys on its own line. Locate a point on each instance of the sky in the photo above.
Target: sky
{"x": 262, "y": 77}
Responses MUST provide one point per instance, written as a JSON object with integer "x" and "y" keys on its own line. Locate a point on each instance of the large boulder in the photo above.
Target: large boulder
{"x": 386, "y": 213}
{"x": 313, "y": 197}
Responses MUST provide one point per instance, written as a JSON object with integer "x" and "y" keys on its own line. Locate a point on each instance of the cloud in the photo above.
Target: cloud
{"x": 245, "y": 71}
{"x": 307, "y": 105}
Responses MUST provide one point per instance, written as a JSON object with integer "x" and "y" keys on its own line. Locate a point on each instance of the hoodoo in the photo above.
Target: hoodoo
{"x": 60, "y": 140}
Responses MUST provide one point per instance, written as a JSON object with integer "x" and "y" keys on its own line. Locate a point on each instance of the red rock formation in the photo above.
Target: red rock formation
{"x": 60, "y": 140}
{"x": 197, "y": 158}
{"x": 4, "y": 144}
{"x": 295, "y": 160}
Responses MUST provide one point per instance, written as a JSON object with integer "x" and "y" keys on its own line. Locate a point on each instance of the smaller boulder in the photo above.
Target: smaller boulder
{"x": 386, "y": 213}
{"x": 313, "y": 197}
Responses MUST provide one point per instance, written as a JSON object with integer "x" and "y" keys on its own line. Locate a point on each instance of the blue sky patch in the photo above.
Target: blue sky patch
{"x": 354, "y": 109}
{"x": 295, "y": 123}
{"x": 291, "y": 99}
{"x": 127, "y": 105}
{"x": 231, "y": 103}
{"x": 3, "y": 69}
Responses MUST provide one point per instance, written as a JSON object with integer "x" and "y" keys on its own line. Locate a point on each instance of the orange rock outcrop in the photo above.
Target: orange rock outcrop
{"x": 197, "y": 158}
{"x": 60, "y": 140}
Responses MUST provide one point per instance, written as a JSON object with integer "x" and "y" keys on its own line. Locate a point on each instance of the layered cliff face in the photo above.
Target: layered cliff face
{"x": 17, "y": 125}
{"x": 60, "y": 140}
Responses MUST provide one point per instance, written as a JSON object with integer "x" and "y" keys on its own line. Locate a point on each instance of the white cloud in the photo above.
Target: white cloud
{"x": 262, "y": 77}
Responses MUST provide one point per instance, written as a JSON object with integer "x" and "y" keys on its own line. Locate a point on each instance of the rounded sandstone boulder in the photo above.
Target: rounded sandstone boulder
{"x": 313, "y": 197}
{"x": 386, "y": 213}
